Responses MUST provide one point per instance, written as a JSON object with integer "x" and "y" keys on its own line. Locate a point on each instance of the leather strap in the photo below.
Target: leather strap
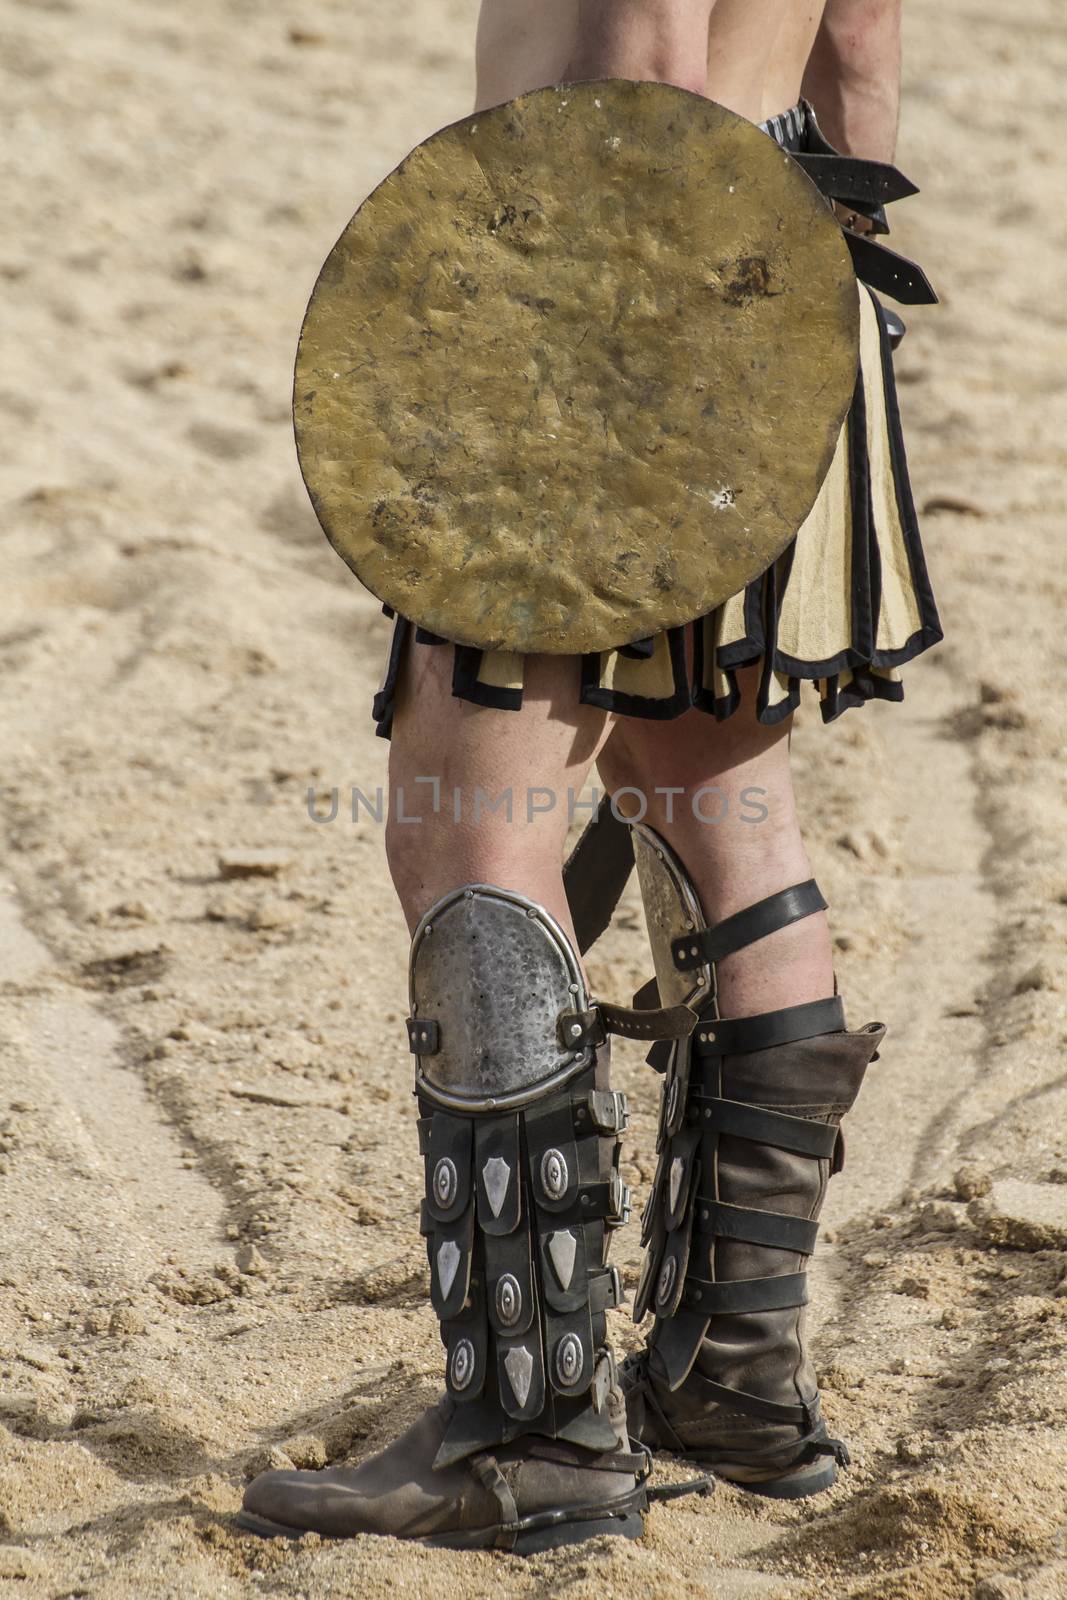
{"x": 665, "y": 1022}
{"x": 775, "y": 1229}
{"x": 748, "y": 926}
{"x": 605, "y": 1290}
{"x": 753, "y": 1405}
{"x": 736, "y": 1036}
{"x": 596, "y": 872}
{"x": 577, "y": 1028}
{"x": 610, "y": 1202}
{"x": 854, "y": 180}
{"x": 746, "y": 1294}
{"x": 893, "y": 274}
{"x": 489, "y": 1475}
{"x": 797, "y": 1134}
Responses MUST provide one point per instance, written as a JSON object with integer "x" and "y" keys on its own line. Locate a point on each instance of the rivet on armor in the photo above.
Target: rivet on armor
{"x": 562, "y": 1249}
{"x": 461, "y": 1368}
{"x": 445, "y": 1182}
{"x": 448, "y": 1259}
{"x": 569, "y": 1360}
{"x": 677, "y": 1173}
{"x": 508, "y": 1300}
{"x": 554, "y": 1174}
{"x": 496, "y": 1175}
{"x": 518, "y": 1364}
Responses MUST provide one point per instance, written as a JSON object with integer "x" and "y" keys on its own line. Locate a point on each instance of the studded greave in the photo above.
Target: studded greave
{"x": 519, "y": 1131}
{"x": 749, "y": 1135}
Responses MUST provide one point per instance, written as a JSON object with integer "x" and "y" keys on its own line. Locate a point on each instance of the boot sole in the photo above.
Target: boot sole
{"x": 545, "y": 1530}
{"x": 791, "y": 1486}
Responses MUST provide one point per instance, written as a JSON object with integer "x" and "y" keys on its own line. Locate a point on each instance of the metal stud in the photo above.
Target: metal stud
{"x": 445, "y": 1182}
{"x": 562, "y": 1249}
{"x": 461, "y": 1367}
{"x": 554, "y": 1174}
{"x": 677, "y": 1174}
{"x": 448, "y": 1259}
{"x": 508, "y": 1300}
{"x": 570, "y": 1359}
{"x": 496, "y": 1175}
{"x": 518, "y": 1364}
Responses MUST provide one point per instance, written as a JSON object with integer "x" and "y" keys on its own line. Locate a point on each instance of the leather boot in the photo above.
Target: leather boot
{"x": 519, "y": 1132}
{"x": 530, "y": 1495}
{"x": 748, "y": 1405}
{"x": 749, "y": 1137}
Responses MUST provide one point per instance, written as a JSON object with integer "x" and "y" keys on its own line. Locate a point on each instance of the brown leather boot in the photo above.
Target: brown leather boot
{"x": 749, "y": 1137}
{"x": 520, "y": 1137}
{"x": 526, "y": 1496}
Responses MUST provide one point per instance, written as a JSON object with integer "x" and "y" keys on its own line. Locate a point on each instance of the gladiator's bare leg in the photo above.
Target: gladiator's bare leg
{"x": 737, "y": 771}
{"x": 442, "y": 745}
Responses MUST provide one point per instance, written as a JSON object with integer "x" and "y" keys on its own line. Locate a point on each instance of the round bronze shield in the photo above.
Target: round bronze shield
{"x": 575, "y": 371}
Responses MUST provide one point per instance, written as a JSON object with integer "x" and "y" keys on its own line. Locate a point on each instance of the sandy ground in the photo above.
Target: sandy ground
{"x": 207, "y": 1182}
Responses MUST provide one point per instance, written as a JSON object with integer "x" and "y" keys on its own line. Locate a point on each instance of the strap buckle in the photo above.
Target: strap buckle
{"x": 607, "y": 1109}
{"x": 577, "y": 1029}
{"x": 620, "y": 1201}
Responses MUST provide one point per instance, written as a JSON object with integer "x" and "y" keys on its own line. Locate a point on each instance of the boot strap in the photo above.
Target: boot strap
{"x": 804, "y": 1416}
{"x": 801, "y": 1415}
{"x": 490, "y": 1477}
{"x": 799, "y": 1135}
{"x": 736, "y": 1036}
{"x": 777, "y": 1230}
{"x": 779, "y": 1293}
{"x": 661, "y": 1023}
{"x": 747, "y": 927}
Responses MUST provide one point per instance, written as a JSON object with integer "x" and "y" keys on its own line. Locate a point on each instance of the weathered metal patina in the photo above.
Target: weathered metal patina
{"x": 575, "y": 371}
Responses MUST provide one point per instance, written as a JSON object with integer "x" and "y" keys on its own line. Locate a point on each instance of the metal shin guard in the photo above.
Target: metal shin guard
{"x": 748, "y": 1139}
{"x": 520, "y": 1137}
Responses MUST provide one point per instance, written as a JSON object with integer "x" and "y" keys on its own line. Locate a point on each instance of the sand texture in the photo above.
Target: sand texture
{"x": 208, "y": 1182}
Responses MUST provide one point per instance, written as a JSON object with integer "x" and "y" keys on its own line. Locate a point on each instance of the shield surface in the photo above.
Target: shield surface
{"x": 575, "y": 371}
